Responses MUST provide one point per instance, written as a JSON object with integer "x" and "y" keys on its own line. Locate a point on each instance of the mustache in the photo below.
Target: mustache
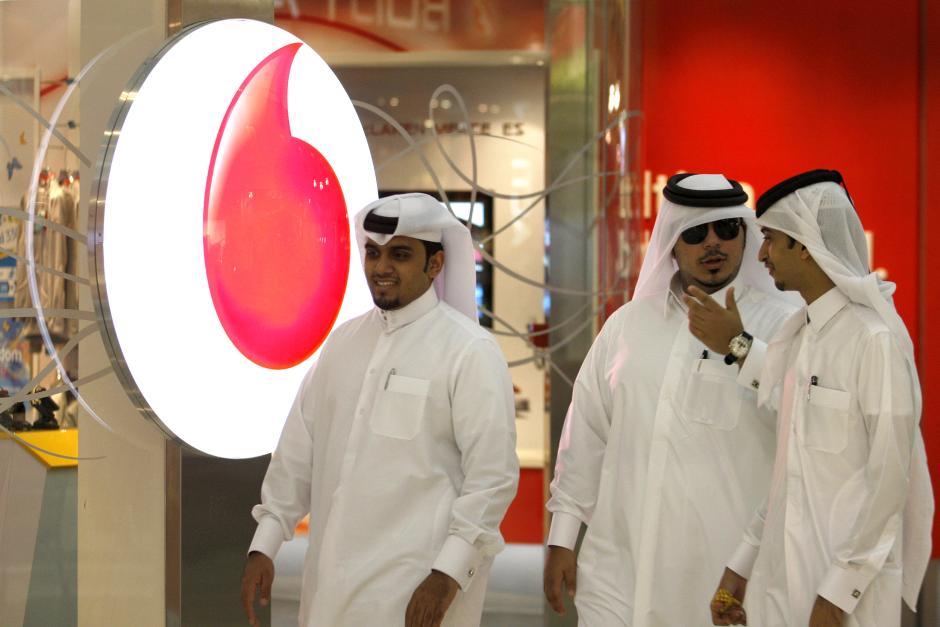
{"x": 713, "y": 255}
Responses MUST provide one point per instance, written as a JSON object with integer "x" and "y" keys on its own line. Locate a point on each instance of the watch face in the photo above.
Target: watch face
{"x": 738, "y": 346}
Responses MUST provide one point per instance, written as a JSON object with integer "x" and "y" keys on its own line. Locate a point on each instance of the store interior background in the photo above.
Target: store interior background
{"x": 608, "y": 97}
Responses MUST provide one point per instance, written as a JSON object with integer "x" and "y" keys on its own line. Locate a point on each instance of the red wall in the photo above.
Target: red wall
{"x": 929, "y": 336}
{"x": 762, "y": 90}
{"x": 524, "y": 519}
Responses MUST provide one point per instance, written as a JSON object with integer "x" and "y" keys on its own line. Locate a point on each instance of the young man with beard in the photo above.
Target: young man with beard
{"x": 845, "y": 532}
{"x": 401, "y": 443}
{"x": 662, "y": 456}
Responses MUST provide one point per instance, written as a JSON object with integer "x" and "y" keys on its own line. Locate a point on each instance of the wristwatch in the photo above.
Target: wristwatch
{"x": 738, "y": 347}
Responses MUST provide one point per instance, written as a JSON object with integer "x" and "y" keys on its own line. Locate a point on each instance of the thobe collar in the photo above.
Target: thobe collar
{"x": 676, "y": 292}
{"x": 821, "y": 310}
{"x": 393, "y": 319}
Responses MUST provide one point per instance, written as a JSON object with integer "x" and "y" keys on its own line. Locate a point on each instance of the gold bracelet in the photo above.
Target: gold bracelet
{"x": 726, "y": 599}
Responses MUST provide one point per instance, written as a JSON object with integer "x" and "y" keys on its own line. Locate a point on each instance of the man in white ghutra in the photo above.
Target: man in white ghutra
{"x": 845, "y": 532}
{"x": 663, "y": 455}
{"x": 401, "y": 443}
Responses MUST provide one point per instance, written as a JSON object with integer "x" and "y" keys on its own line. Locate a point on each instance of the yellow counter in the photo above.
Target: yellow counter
{"x": 61, "y": 442}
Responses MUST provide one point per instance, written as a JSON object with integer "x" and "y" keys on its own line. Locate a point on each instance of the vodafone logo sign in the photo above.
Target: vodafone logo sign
{"x": 299, "y": 222}
{"x": 224, "y": 242}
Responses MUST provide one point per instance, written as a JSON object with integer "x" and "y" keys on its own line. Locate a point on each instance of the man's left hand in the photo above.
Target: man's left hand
{"x": 430, "y": 600}
{"x": 711, "y": 323}
{"x": 826, "y": 614}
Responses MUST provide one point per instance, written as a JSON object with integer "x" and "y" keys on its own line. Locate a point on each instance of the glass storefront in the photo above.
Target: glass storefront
{"x": 106, "y": 516}
{"x": 525, "y": 117}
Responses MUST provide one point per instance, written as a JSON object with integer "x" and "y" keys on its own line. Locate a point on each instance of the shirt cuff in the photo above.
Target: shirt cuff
{"x": 459, "y": 560}
{"x": 749, "y": 375}
{"x": 564, "y": 530}
{"x": 844, "y": 586}
{"x": 742, "y": 561}
{"x": 268, "y": 537}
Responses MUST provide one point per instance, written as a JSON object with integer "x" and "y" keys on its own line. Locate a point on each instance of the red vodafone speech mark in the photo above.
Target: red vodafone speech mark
{"x": 275, "y": 226}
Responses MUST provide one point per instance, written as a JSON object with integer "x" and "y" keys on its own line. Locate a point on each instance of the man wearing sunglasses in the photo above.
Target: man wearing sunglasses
{"x": 663, "y": 456}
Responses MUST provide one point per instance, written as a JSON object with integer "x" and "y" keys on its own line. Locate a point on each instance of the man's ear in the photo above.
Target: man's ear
{"x": 435, "y": 264}
{"x": 804, "y": 253}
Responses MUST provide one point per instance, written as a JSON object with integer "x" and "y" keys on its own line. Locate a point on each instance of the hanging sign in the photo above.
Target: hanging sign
{"x": 224, "y": 244}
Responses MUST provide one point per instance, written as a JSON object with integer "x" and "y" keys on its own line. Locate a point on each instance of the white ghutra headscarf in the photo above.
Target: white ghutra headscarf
{"x": 423, "y": 217}
{"x": 690, "y": 200}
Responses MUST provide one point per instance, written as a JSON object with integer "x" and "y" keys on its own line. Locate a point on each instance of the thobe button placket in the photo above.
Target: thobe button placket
{"x": 856, "y": 593}
{"x": 470, "y": 572}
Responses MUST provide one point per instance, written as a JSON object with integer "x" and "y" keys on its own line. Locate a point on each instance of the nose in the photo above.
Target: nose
{"x": 382, "y": 265}
{"x": 711, "y": 239}
{"x": 762, "y": 252}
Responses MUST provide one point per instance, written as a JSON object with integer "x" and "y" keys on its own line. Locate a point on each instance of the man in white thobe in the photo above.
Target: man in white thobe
{"x": 663, "y": 456}
{"x": 845, "y": 532}
{"x": 400, "y": 444}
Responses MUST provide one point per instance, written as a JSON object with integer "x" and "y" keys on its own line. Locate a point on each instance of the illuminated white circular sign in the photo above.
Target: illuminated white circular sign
{"x": 225, "y": 248}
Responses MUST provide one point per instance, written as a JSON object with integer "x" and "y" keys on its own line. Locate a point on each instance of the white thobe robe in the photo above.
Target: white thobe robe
{"x": 665, "y": 458}
{"x": 401, "y": 445}
{"x": 832, "y": 522}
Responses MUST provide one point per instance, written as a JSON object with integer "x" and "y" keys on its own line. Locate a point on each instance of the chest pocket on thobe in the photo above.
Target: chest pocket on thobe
{"x": 400, "y": 407}
{"x": 711, "y": 396}
{"x": 825, "y": 426}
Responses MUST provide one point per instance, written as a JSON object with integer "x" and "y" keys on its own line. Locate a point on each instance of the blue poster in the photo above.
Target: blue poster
{"x": 14, "y": 371}
{"x": 9, "y": 231}
{"x": 7, "y": 285}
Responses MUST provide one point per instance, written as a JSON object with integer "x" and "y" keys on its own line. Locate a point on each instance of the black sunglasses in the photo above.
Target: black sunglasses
{"x": 726, "y": 229}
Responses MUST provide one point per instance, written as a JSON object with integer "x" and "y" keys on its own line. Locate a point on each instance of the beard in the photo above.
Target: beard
{"x": 386, "y": 303}
{"x": 713, "y": 285}
{"x": 713, "y": 280}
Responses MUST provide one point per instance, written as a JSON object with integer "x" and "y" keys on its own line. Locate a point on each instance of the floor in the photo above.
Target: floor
{"x": 513, "y": 599}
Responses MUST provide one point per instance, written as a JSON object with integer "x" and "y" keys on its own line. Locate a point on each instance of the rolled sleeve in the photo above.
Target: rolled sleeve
{"x": 844, "y": 586}
{"x": 484, "y": 426}
{"x": 743, "y": 558}
{"x": 268, "y": 537}
{"x": 459, "y": 560}
{"x": 564, "y": 530}
{"x": 285, "y": 491}
{"x": 583, "y": 441}
{"x": 886, "y": 398}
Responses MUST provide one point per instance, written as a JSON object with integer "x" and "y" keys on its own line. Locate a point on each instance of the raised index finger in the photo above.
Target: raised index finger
{"x": 705, "y": 299}
{"x": 696, "y": 308}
